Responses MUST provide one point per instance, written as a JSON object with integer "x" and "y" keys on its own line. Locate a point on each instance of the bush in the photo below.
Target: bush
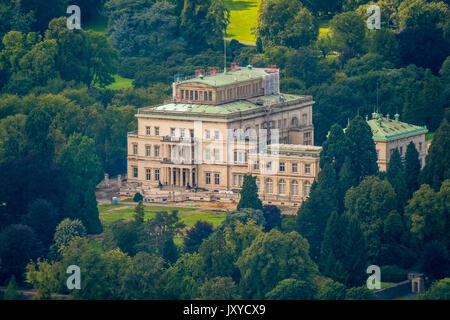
{"x": 393, "y": 273}
{"x": 138, "y": 197}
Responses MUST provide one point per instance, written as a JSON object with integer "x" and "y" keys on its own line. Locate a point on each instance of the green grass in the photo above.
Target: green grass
{"x": 386, "y": 284}
{"x": 112, "y": 213}
{"x": 120, "y": 83}
{"x": 243, "y": 17}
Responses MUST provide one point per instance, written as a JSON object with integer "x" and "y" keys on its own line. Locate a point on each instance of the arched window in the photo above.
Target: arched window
{"x": 269, "y": 186}
{"x": 282, "y": 187}
{"x": 294, "y": 122}
{"x": 294, "y": 188}
{"x": 306, "y": 189}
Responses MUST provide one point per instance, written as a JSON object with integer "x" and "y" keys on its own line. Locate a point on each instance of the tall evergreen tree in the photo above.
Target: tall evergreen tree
{"x": 362, "y": 149}
{"x": 412, "y": 169}
{"x": 396, "y": 177}
{"x": 437, "y": 163}
{"x": 335, "y": 148}
{"x": 249, "y": 194}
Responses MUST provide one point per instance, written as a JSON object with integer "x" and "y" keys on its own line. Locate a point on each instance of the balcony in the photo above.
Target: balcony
{"x": 133, "y": 133}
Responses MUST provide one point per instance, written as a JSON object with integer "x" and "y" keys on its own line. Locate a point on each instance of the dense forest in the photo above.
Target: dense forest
{"x": 62, "y": 125}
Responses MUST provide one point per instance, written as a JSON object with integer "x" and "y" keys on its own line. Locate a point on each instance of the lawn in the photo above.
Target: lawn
{"x": 111, "y": 213}
{"x": 243, "y": 18}
{"x": 120, "y": 83}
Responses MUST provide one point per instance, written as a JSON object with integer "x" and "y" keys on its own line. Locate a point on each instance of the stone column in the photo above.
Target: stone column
{"x": 106, "y": 180}
{"x": 119, "y": 181}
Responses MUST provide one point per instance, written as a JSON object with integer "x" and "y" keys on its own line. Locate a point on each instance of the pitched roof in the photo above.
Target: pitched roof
{"x": 385, "y": 128}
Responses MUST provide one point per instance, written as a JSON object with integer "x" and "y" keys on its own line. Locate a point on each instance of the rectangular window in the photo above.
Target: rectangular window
{"x": 135, "y": 172}
{"x": 147, "y": 151}
{"x": 182, "y": 133}
{"x": 208, "y": 178}
{"x": 148, "y": 174}
{"x": 307, "y": 168}
{"x": 135, "y": 148}
{"x": 235, "y": 180}
{"x": 269, "y": 165}
{"x": 256, "y": 165}
{"x": 172, "y": 132}
{"x": 207, "y": 134}
{"x": 196, "y": 95}
{"x": 206, "y": 96}
{"x": 156, "y": 131}
{"x": 307, "y": 140}
{"x": 294, "y": 167}
{"x": 235, "y": 157}
{"x": 216, "y": 154}
{"x": 216, "y": 134}
{"x": 207, "y": 154}
{"x": 210, "y": 95}
{"x": 147, "y": 131}
{"x": 282, "y": 167}
{"x": 216, "y": 178}
{"x": 157, "y": 174}
{"x": 191, "y": 132}
{"x": 182, "y": 94}
{"x": 191, "y": 94}
{"x": 156, "y": 151}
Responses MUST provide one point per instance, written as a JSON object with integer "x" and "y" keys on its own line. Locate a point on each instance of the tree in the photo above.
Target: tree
{"x": 243, "y": 216}
{"x": 434, "y": 261}
{"x": 420, "y": 13}
{"x": 348, "y": 31}
{"x": 241, "y": 237}
{"x": 43, "y": 217}
{"x": 11, "y": 290}
{"x": 286, "y": 23}
{"x": 249, "y": 194}
{"x": 426, "y": 218}
{"x": 158, "y": 233}
{"x": 396, "y": 177}
{"x": 218, "y": 256}
{"x": 362, "y": 149}
{"x": 184, "y": 279}
{"x": 370, "y": 203}
{"x": 138, "y": 197}
{"x": 273, "y": 257}
{"x": 18, "y": 244}
{"x": 359, "y": 293}
{"x": 219, "y": 288}
{"x": 68, "y": 230}
{"x": 437, "y": 162}
{"x": 39, "y": 140}
{"x": 412, "y": 169}
{"x": 384, "y": 43}
{"x": 343, "y": 256}
{"x": 313, "y": 214}
{"x": 332, "y": 290}
{"x": 439, "y": 290}
{"x": 82, "y": 168}
{"x": 142, "y": 280}
{"x": 292, "y": 289}
{"x": 123, "y": 235}
{"x": 272, "y": 215}
{"x": 139, "y": 213}
{"x": 203, "y": 23}
{"x": 44, "y": 277}
{"x": 195, "y": 236}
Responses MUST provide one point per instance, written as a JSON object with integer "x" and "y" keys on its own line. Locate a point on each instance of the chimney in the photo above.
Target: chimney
{"x": 199, "y": 72}
{"x": 397, "y": 117}
{"x": 213, "y": 70}
{"x": 235, "y": 66}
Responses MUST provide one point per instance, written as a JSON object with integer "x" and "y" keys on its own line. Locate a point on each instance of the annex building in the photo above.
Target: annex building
{"x": 218, "y": 127}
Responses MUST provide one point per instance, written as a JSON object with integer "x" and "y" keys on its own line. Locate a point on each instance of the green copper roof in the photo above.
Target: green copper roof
{"x": 188, "y": 109}
{"x": 230, "y": 77}
{"x": 384, "y": 128}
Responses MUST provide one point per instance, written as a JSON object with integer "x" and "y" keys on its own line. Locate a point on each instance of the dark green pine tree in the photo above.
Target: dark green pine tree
{"x": 396, "y": 177}
{"x": 335, "y": 148}
{"x": 431, "y": 97}
{"x": 346, "y": 181}
{"x": 249, "y": 194}
{"x": 362, "y": 149}
{"x": 412, "y": 169}
{"x": 437, "y": 163}
{"x": 313, "y": 214}
{"x": 343, "y": 255}
{"x": 139, "y": 213}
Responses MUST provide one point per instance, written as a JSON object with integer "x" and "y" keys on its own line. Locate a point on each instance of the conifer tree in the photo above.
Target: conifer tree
{"x": 412, "y": 169}
{"x": 396, "y": 177}
{"x": 249, "y": 194}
